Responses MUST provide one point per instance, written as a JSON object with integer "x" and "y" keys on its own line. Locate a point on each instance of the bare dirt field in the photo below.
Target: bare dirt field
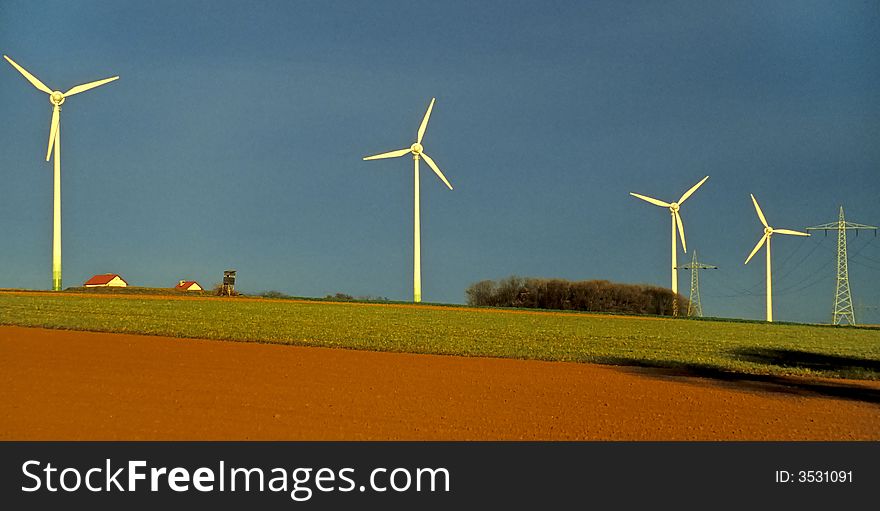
{"x": 64, "y": 385}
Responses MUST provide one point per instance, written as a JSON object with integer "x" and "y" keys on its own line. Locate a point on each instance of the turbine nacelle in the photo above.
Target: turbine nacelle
{"x": 56, "y": 98}
{"x": 416, "y": 149}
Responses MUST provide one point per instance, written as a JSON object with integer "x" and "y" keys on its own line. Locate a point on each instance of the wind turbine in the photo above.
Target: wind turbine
{"x": 676, "y": 222}
{"x": 768, "y": 232}
{"x": 417, "y": 153}
{"x": 56, "y": 98}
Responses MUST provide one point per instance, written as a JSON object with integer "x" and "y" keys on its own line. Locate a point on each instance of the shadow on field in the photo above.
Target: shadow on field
{"x": 844, "y": 366}
{"x": 796, "y": 386}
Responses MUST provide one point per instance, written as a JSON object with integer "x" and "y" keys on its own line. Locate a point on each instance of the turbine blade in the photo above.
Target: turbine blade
{"x": 757, "y": 247}
{"x": 389, "y": 154}
{"x": 681, "y": 231}
{"x": 91, "y": 85}
{"x": 651, "y": 200}
{"x": 789, "y": 231}
{"x": 424, "y": 125}
{"x": 760, "y": 213}
{"x": 691, "y": 191}
{"x": 31, "y": 78}
{"x": 53, "y": 132}
{"x": 436, "y": 170}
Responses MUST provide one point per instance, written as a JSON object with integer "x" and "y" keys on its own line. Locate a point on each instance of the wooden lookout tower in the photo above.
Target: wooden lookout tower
{"x": 228, "y": 286}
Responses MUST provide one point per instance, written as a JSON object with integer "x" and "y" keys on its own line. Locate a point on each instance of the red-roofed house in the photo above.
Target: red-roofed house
{"x": 188, "y": 285}
{"x": 106, "y": 280}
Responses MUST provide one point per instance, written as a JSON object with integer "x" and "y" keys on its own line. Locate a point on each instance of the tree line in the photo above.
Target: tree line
{"x": 588, "y": 295}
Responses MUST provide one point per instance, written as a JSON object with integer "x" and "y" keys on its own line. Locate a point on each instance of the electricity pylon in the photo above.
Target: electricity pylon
{"x": 695, "y": 308}
{"x": 843, "y": 304}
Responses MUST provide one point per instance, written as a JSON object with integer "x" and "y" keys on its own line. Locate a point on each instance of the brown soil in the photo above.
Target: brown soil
{"x": 60, "y": 385}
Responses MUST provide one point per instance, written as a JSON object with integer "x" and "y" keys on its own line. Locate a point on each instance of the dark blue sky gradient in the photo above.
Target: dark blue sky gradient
{"x": 234, "y": 140}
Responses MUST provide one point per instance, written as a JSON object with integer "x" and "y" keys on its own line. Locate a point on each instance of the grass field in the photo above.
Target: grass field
{"x": 694, "y": 346}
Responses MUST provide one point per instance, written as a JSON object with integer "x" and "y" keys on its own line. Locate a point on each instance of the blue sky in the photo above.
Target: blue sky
{"x": 235, "y": 135}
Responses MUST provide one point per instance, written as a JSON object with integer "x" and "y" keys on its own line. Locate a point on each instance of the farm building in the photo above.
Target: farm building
{"x": 106, "y": 280}
{"x": 188, "y": 285}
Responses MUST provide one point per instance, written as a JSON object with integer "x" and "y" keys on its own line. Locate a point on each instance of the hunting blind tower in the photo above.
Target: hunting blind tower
{"x": 228, "y": 286}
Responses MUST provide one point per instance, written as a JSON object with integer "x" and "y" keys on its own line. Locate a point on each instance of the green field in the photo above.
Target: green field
{"x": 694, "y": 346}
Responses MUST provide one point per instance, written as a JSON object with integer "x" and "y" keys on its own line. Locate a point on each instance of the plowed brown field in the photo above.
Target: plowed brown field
{"x": 60, "y": 385}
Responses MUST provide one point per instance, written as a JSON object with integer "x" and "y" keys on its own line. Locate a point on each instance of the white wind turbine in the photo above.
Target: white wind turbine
{"x": 417, "y": 152}
{"x": 676, "y": 223}
{"x": 768, "y": 232}
{"x": 56, "y": 98}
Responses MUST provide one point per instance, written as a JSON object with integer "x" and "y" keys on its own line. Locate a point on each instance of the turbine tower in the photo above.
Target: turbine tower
{"x": 843, "y": 304}
{"x": 56, "y": 98}
{"x": 768, "y": 232}
{"x": 695, "y": 308}
{"x": 417, "y": 153}
{"x": 676, "y": 222}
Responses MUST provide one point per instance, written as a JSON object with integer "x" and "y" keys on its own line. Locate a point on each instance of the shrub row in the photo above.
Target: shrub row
{"x": 589, "y": 295}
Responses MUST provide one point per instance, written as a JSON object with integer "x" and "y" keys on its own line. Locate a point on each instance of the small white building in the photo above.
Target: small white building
{"x": 106, "y": 280}
{"x": 188, "y": 285}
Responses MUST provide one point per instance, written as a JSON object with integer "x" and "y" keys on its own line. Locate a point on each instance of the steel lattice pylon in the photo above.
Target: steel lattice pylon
{"x": 843, "y": 304}
{"x": 695, "y": 307}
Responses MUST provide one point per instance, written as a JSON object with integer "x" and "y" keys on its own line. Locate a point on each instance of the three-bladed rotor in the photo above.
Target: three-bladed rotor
{"x": 768, "y": 231}
{"x": 417, "y": 150}
{"x": 56, "y": 98}
{"x": 674, "y": 207}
